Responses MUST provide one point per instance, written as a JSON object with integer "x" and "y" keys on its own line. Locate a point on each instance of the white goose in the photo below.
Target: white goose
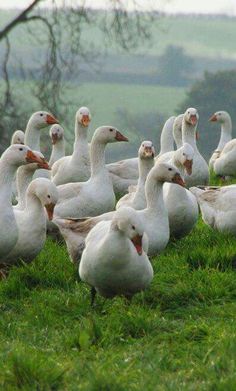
{"x": 200, "y": 171}
{"x": 224, "y": 119}
{"x": 177, "y": 130}
{"x": 31, "y": 221}
{"x": 114, "y": 261}
{"x": 166, "y": 141}
{"x": 125, "y": 173}
{"x": 24, "y": 176}
{"x": 39, "y": 120}
{"x": 154, "y": 217}
{"x": 95, "y": 196}
{"x": 136, "y": 199}
{"x": 11, "y": 159}
{"x": 18, "y": 137}
{"x": 181, "y": 204}
{"x": 75, "y": 168}
{"x": 56, "y": 133}
{"x": 218, "y": 207}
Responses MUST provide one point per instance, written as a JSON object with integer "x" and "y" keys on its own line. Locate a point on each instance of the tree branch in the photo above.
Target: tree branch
{"x": 21, "y": 18}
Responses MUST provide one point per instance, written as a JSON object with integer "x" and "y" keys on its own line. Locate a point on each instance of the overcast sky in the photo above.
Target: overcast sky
{"x": 186, "y": 6}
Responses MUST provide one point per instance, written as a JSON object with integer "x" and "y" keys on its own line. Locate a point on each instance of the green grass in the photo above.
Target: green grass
{"x": 178, "y": 335}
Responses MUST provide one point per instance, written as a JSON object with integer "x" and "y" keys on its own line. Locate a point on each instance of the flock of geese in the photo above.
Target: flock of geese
{"x": 75, "y": 196}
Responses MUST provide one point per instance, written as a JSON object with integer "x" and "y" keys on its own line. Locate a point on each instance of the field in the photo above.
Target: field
{"x": 178, "y": 335}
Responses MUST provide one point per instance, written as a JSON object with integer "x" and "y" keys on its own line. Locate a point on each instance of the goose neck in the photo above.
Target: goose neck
{"x": 58, "y": 151}
{"x": 7, "y": 174}
{"x": 226, "y": 134}
{"x": 154, "y": 195}
{"x": 167, "y": 142}
{"x": 97, "y": 157}
{"x": 81, "y": 142}
{"x": 32, "y": 137}
{"x": 189, "y": 134}
{"x": 34, "y": 207}
{"x": 23, "y": 178}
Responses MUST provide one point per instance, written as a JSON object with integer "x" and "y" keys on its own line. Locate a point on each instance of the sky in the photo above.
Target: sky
{"x": 173, "y": 6}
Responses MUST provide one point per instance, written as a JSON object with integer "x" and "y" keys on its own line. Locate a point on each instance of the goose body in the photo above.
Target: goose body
{"x": 224, "y": 119}
{"x": 114, "y": 261}
{"x": 137, "y": 199}
{"x": 75, "y": 168}
{"x": 154, "y": 216}
{"x": 95, "y": 196}
{"x": 200, "y": 171}
{"x": 181, "y": 204}
{"x": 11, "y": 159}
{"x": 31, "y": 221}
{"x": 218, "y": 207}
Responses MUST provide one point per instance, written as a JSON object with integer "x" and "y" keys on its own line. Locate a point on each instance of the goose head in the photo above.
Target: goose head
{"x": 191, "y": 116}
{"x": 18, "y": 155}
{"x": 42, "y": 162}
{"x": 56, "y": 133}
{"x": 83, "y": 116}
{"x": 186, "y": 154}
{"x": 146, "y": 150}
{"x": 165, "y": 172}
{"x": 127, "y": 221}
{"x": 47, "y": 193}
{"x": 18, "y": 137}
{"x": 220, "y": 116}
{"x": 108, "y": 134}
{"x": 41, "y": 119}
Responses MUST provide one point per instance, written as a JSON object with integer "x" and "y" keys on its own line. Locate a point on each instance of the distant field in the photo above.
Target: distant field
{"x": 105, "y": 99}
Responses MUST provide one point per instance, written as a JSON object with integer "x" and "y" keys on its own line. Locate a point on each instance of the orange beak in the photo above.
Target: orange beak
{"x": 137, "y": 242}
{"x": 188, "y": 164}
{"x": 50, "y": 209}
{"x": 178, "y": 180}
{"x": 32, "y": 158}
{"x": 119, "y": 137}
{"x": 85, "y": 120}
{"x": 213, "y": 118}
{"x": 54, "y": 138}
{"x": 193, "y": 119}
{"x": 44, "y": 164}
{"x": 51, "y": 120}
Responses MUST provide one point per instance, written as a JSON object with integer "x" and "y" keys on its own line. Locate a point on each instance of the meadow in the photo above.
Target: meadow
{"x": 177, "y": 335}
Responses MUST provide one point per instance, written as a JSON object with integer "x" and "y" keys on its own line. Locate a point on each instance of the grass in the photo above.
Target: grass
{"x": 178, "y": 335}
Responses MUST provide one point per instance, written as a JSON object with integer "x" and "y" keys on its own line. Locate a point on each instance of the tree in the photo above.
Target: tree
{"x": 216, "y": 91}
{"x": 175, "y": 66}
{"x": 58, "y": 30}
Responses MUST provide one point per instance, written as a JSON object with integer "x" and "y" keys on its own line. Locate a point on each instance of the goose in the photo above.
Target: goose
{"x": 75, "y": 168}
{"x": 37, "y": 121}
{"x": 181, "y": 204}
{"x": 56, "y": 133}
{"x": 166, "y": 141}
{"x": 24, "y": 176}
{"x": 218, "y": 207}
{"x": 18, "y": 137}
{"x": 137, "y": 199}
{"x": 95, "y": 196}
{"x": 224, "y": 119}
{"x": 31, "y": 221}
{"x": 11, "y": 159}
{"x": 114, "y": 261}
{"x": 154, "y": 216}
{"x": 200, "y": 171}
{"x": 125, "y": 173}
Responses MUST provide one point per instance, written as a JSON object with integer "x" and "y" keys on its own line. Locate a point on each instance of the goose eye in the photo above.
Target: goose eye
{"x": 49, "y": 196}
{"x": 133, "y": 227}
{"x": 170, "y": 169}
{"x": 183, "y": 154}
{"x": 20, "y": 149}
{"x": 111, "y": 130}
{"x": 41, "y": 114}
